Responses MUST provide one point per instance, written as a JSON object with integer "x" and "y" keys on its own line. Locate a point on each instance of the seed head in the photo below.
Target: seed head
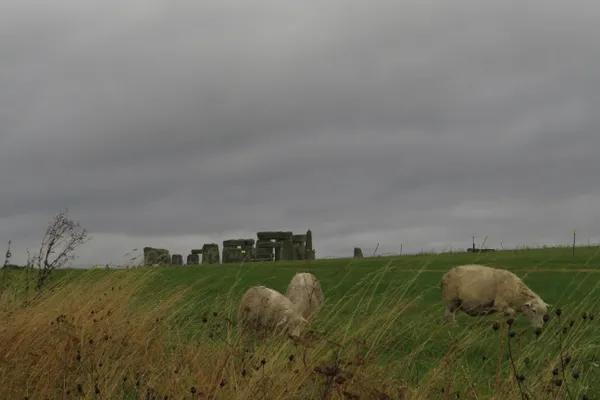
{"x": 546, "y": 318}
{"x": 243, "y": 372}
{"x": 584, "y": 316}
{"x": 567, "y": 359}
{"x": 510, "y": 321}
{"x": 263, "y": 361}
{"x": 572, "y": 322}
{"x": 558, "y": 382}
{"x": 484, "y": 357}
{"x": 538, "y": 331}
{"x": 291, "y": 357}
{"x": 214, "y": 314}
{"x": 555, "y": 371}
{"x": 521, "y": 378}
{"x": 564, "y": 331}
{"x": 496, "y": 326}
{"x": 511, "y": 334}
{"x": 575, "y": 374}
{"x": 193, "y": 390}
{"x": 591, "y": 317}
{"x": 222, "y": 383}
{"x": 558, "y": 312}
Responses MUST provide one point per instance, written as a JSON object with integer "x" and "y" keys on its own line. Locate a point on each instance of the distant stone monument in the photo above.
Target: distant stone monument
{"x": 274, "y": 245}
{"x": 193, "y": 259}
{"x": 154, "y": 256}
{"x": 284, "y": 246}
{"x": 270, "y": 246}
{"x": 237, "y": 250}
{"x": 310, "y": 251}
{"x": 358, "y": 252}
{"x": 210, "y": 253}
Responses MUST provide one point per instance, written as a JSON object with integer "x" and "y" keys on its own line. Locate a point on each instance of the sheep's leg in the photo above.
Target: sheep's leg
{"x": 450, "y": 314}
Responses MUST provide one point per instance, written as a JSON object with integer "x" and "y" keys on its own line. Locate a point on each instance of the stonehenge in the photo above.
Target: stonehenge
{"x": 269, "y": 246}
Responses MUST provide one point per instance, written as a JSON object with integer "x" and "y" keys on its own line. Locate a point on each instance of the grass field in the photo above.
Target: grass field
{"x": 170, "y": 333}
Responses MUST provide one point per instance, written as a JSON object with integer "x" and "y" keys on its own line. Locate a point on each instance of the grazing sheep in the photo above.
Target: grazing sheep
{"x": 478, "y": 290}
{"x": 265, "y": 309}
{"x": 305, "y": 292}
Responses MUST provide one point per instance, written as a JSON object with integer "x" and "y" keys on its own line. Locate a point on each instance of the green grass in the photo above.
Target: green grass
{"x": 394, "y": 304}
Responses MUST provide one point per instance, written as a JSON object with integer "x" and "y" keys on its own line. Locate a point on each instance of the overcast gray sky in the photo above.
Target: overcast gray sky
{"x": 419, "y": 122}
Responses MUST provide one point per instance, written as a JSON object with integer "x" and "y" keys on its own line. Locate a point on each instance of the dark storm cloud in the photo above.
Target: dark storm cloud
{"x": 418, "y": 123}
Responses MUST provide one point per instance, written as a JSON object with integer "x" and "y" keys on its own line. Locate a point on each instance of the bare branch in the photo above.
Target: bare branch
{"x": 63, "y": 236}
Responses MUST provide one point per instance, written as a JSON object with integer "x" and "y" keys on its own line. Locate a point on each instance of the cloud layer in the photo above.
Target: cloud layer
{"x": 415, "y": 123}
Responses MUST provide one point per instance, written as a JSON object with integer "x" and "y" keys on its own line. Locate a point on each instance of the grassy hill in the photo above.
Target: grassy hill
{"x": 172, "y": 329}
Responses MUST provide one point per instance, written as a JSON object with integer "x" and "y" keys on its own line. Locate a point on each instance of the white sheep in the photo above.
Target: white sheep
{"x": 479, "y": 290}
{"x": 305, "y": 292}
{"x": 265, "y": 309}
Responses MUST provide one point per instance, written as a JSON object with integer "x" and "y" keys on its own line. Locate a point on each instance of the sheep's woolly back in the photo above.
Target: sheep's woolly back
{"x": 479, "y": 284}
{"x": 514, "y": 290}
{"x": 263, "y": 307}
{"x": 305, "y": 292}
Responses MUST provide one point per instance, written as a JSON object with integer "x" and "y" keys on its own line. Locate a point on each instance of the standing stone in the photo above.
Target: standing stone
{"x": 193, "y": 259}
{"x": 278, "y": 253}
{"x": 310, "y": 251}
{"x": 176, "y": 259}
{"x": 154, "y": 256}
{"x": 210, "y": 253}
{"x": 358, "y": 252}
{"x": 288, "y": 249}
{"x": 299, "y": 251}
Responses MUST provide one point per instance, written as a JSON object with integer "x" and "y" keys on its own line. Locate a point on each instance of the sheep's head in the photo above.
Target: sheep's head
{"x": 535, "y": 309}
{"x": 293, "y": 323}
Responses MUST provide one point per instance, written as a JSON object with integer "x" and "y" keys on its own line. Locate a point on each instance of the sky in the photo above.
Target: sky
{"x": 411, "y": 124}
